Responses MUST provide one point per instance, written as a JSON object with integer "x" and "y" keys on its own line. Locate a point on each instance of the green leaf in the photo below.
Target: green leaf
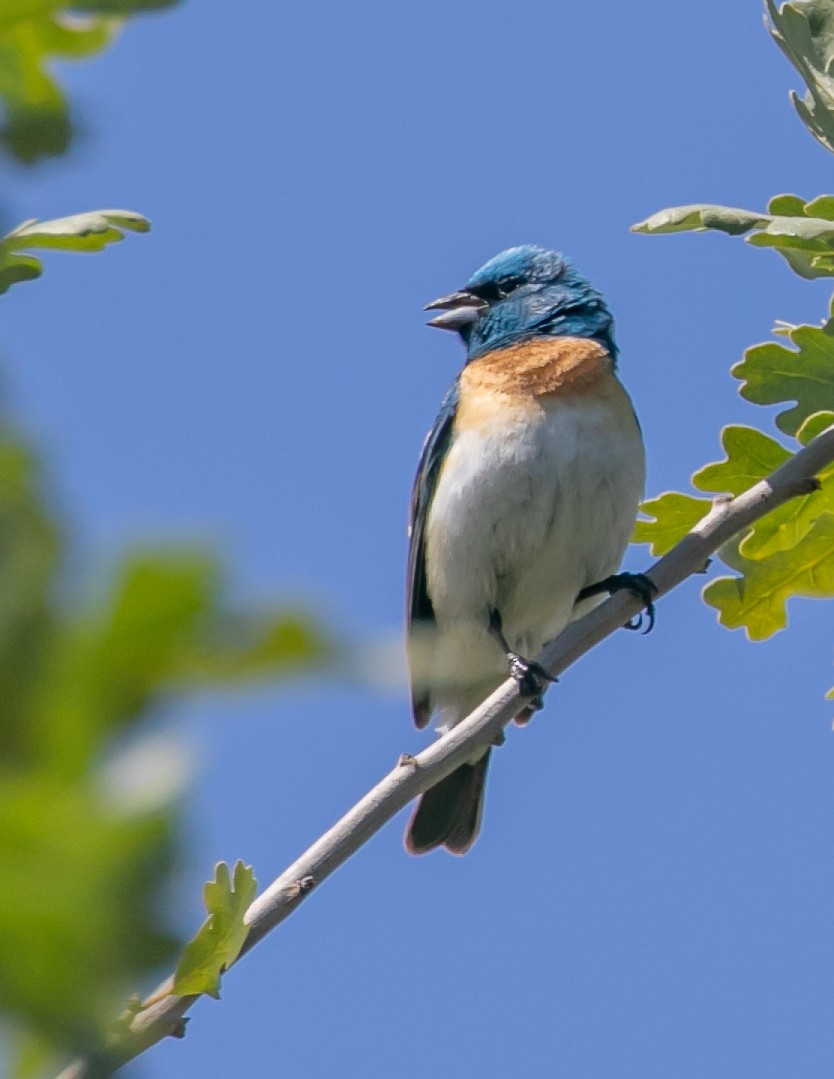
{"x": 699, "y": 217}
{"x": 787, "y": 206}
{"x": 780, "y": 555}
{"x": 786, "y": 526}
{"x": 807, "y": 264}
{"x": 220, "y": 938}
{"x": 674, "y": 515}
{"x": 757, "y": 599}
{"x": 813, "y": 234}
{"x": 814, "y": 425}
{"x": 17, "y": 268}
{"x": 802, "y": 233}
{"x": 88, "y": 232}
{"x": 823, "y": 206}
{"x": 805, "y": 33}
{"x": 772, "y": 374}
{"x": 751, "y": 457}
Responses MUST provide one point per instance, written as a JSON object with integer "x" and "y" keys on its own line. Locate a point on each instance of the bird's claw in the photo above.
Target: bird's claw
{"x": 638, "y": 584}
{"x": 531, "y": 677}
{"x": 645, "y": 589}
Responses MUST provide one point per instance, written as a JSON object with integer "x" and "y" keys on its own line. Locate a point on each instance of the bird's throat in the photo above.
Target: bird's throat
{"x": 541, "y": 367}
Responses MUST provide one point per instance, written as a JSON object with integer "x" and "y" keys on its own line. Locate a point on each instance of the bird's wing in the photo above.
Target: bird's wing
{"x": 418, "y": 604}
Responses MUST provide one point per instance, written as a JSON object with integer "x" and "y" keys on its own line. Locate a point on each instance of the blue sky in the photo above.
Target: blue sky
{"x": 651, "y": 892}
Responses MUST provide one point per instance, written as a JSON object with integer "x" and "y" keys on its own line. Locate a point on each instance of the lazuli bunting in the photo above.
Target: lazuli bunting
{"x": 526, "y": 494}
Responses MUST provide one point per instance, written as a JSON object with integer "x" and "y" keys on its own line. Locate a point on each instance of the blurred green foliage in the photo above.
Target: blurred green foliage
{"x": 84, "y": 863}
{"x": 791, "y": 551}
{"x": 90, "y": 798}
{"x": 33, "y": 34}
{"x": 89, "y": 802}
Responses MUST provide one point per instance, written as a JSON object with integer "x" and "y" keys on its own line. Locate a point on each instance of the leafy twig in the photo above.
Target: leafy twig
{"x": 88, "y": 232}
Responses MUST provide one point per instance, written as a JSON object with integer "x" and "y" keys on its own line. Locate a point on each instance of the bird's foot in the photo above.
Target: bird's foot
{"x": 531, "y": 677}
{"x": 638, "y": 584}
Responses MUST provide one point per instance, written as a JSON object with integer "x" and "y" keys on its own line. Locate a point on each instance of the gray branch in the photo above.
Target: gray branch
{"x": 162, "y": 1014}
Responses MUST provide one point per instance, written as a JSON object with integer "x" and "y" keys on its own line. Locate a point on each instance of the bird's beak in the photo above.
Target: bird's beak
{"x": 460, "y": 309}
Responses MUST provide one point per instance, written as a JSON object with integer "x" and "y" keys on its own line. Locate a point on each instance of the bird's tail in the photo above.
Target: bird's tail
{"x": 449, "y": 814}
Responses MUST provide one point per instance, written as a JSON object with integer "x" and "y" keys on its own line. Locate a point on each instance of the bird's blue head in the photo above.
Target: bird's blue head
{"x": 524, "y": 293}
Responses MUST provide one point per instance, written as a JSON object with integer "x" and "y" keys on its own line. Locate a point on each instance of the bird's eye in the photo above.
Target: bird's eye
{"x": 509, "y": 284}
{"x": 489, "y": 291}
{"x": 493, "y": 291}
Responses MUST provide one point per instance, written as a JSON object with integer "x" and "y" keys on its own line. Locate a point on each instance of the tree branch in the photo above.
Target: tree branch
{"x": 161, "y": 1014}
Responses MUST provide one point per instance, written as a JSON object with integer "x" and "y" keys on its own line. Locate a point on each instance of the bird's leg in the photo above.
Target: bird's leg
{"x": 637, "y": 583}
{"x": 532, "y": 678}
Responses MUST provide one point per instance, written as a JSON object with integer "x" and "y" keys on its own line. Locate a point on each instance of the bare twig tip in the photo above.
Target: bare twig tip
{"x": 406, "y": 760}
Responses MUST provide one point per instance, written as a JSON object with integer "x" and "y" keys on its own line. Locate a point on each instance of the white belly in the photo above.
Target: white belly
{"x": 526, "y": 513}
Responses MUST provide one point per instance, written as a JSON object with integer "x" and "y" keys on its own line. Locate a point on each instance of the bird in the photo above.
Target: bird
{"x": 525, "y": 497}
